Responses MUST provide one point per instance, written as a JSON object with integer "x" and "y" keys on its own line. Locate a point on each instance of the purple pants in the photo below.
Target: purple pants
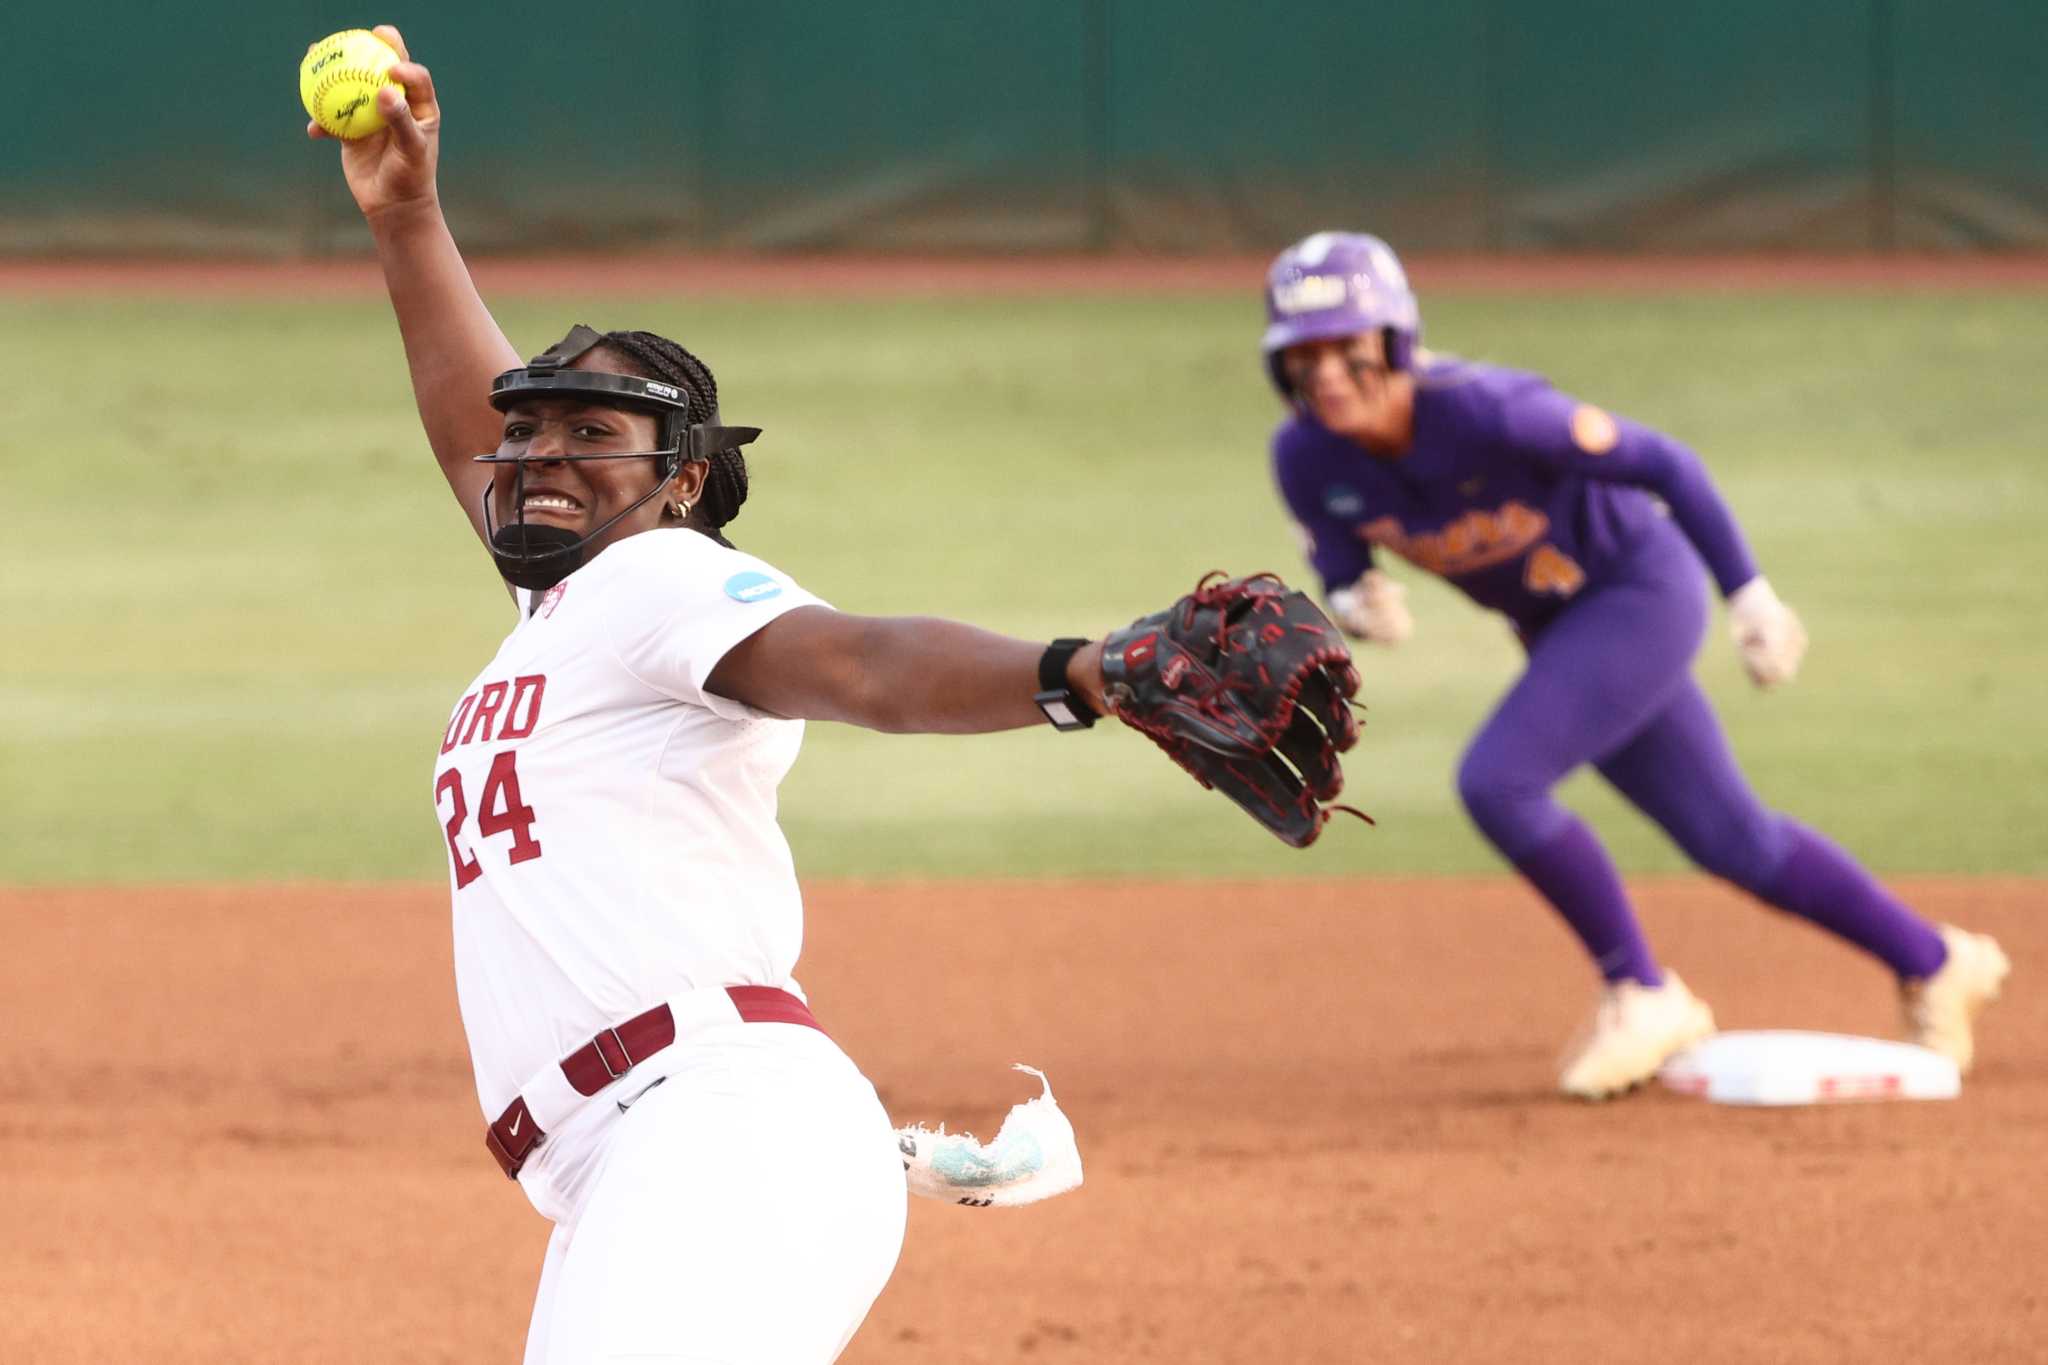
{"x": 1609, "y": 682}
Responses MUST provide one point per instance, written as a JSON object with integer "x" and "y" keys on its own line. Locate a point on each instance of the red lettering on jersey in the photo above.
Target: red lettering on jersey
{"x": 487, "y": 704}
{"x": 466, "y": 869}
{"x": 448, "y": 740}
{"x": 504, "y": 810}
{"x": 530, "y": 685}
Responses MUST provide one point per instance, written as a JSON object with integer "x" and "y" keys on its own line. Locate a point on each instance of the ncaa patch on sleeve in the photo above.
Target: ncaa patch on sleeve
{"x": 1593, "y": 431}
{"x": 752, "y": 587}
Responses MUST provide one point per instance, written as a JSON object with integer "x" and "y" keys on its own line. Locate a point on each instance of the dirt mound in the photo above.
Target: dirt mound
{"x": 237, "y": 1125}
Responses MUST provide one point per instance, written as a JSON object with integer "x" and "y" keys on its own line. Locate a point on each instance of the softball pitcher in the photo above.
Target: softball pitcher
{"x": 724, "y": 1184}
{"x": 1588, "y": 532}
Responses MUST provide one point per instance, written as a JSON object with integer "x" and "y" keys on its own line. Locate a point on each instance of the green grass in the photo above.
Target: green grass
{"x": 239, "y": 602}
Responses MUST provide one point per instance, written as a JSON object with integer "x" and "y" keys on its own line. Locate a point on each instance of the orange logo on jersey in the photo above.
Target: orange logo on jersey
{"x": 1551, "y": 570}
{"x": 1474, "y": 541}
{"x": 1593, "y": 431}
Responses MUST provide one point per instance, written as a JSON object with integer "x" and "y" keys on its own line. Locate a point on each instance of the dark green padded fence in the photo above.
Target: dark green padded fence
{"x": 969, "y": 125}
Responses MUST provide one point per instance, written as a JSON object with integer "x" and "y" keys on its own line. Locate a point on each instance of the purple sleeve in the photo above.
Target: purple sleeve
{"x": 1338, "y": 556}
{"x": 1570, "y": 437}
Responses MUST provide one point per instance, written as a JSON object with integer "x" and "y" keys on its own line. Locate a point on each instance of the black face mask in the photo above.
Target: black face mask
{"x": 538, "y": 557}
{"x": 535, "y": 557}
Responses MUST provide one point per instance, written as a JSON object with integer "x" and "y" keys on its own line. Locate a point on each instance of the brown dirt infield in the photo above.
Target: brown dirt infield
{"x": 237, "y": 1125}
{"x": 908, "y": 275}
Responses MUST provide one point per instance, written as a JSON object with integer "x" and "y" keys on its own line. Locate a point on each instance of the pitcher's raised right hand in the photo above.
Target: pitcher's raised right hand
{"x": 393, "y": 169}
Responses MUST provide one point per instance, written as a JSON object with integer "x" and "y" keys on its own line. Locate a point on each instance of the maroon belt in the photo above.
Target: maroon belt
{"x": 617, "y": 1050}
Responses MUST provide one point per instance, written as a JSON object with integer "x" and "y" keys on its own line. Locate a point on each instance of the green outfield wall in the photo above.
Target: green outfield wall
{"x": 969, "y": 125}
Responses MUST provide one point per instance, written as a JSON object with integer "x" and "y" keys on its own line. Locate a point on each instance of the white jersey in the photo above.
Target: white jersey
{"x": 610, "y": 824}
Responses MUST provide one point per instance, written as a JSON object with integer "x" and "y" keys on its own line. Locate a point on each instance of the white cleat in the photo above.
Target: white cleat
{"x": 1941, "y": 1010}
{"x": 1635, "y": 1030}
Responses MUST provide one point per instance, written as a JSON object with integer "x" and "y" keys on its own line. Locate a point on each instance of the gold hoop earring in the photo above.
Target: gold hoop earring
{"x": 682, "y": 510}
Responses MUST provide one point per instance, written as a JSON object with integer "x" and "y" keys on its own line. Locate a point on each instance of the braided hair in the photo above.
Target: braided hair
{"x": 725, "y": 483}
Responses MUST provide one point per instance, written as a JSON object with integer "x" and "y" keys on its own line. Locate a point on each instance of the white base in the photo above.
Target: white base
{"x": 1788, "y": 1066}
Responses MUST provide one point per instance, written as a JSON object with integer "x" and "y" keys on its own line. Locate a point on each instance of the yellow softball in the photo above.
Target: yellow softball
{"x": 339, "y": 80}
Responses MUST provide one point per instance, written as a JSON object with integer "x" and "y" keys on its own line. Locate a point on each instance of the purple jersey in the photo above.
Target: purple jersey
{"x": 1516, "y": 493}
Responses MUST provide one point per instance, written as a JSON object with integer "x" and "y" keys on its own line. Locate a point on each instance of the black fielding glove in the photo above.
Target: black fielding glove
{"x": 1246, "y": 684}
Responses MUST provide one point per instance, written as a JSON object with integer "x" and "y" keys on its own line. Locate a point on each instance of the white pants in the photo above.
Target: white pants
{"x": 745, "y": 1209}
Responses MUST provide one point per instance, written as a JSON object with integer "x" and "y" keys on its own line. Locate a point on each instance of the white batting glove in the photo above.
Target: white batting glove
{"x": 1374, "y": 608}
{"x": 1767, "y": 632}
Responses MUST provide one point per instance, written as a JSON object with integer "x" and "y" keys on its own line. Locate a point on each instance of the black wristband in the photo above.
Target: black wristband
{"x": 1062, "y": 705}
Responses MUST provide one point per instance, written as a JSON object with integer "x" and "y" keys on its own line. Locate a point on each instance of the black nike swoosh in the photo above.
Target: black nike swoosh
{"x": 624, "y": 1105}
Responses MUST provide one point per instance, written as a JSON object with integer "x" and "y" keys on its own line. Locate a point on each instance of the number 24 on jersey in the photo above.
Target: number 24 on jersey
{"x": 500, "y": 811}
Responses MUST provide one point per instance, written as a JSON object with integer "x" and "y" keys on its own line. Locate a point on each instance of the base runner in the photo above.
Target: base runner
{"x": 1589, "y": 533}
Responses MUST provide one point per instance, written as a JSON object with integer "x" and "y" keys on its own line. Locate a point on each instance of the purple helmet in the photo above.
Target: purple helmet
{"x": 1335, "y": 284}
